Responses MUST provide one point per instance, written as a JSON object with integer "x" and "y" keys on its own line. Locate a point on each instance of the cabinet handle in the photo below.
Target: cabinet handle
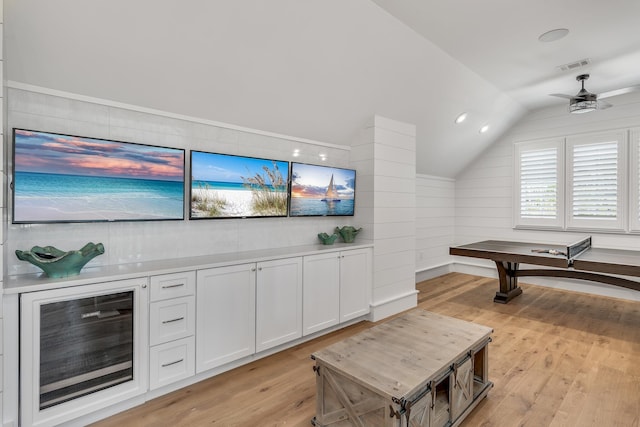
{"x": 259, "y": 268}
{"x": 253, "y": 269}
{"x": 164, "y": 365}
{"x": 173, "y": 320}
{"x": 177, "y": 285}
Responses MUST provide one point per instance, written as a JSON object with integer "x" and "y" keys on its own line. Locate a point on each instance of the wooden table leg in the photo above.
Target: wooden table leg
{"x": 509, "y": 288}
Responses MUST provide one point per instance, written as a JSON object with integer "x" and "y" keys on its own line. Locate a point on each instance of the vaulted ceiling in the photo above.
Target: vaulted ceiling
{"x": 319, "y": 69}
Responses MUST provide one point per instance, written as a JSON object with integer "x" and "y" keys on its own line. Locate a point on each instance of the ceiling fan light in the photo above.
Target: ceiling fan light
{"x": 581, "y": 107}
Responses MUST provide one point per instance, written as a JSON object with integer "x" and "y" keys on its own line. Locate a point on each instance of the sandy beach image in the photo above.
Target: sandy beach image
{"x": 226, "y": 186}
{"x": 227, "y": 202}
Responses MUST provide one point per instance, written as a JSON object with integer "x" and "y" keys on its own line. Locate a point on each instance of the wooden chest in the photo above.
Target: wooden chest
{"x": 418, "y": 370}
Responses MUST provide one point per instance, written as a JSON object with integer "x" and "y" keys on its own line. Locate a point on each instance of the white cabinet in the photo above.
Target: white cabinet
{"x": 337, "y": 288}
{"x": 321, "y": 292}
{"x": 172, "y": 317}
{"x": 247, "y": 308}
{"x": 226, "y": 315}
{"x": 278, "y": 302}
{"x": 355, "y": 283}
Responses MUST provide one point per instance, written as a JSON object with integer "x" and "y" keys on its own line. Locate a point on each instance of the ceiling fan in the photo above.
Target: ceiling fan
{"x": 585, "y": 101}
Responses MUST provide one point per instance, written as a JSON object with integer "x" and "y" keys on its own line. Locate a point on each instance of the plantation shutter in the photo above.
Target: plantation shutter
{"x": 596, "y": 181}
{"x": 539, "y": 184}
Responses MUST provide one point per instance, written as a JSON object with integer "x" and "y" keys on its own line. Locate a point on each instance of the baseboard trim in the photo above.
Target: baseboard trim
{"x": 395, "y": 305}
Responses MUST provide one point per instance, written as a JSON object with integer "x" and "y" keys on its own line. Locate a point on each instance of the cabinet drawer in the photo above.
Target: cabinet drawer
{"x": 171, "y": 319}
{"x": 171, "y": 362}
{"x": 176, "y": 285}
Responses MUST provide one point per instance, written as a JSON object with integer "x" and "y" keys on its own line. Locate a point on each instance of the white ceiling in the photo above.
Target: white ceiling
{"x": 320, "y": 69}
{"x": 498, "y": 39}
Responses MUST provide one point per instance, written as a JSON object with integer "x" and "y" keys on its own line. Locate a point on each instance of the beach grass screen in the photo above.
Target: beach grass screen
{"x": 231, "y": 186}
{"x": 322, "y": 190}
{"x": 64, "y": 178}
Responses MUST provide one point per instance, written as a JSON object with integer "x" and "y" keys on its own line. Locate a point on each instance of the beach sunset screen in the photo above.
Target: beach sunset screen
{"x": 322, "y": 190}
{"x": 227, "y": 186}
{"x": 61, "y": 178}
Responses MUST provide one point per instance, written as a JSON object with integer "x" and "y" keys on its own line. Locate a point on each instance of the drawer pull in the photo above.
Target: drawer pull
{"x": 164, "y": 365}
{"x": 177, "y": 285}
{"x": 177, "y": 319}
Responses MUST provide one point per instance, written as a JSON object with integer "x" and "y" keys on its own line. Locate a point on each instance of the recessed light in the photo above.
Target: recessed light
{"x": 461, "y": 118}
{"x": 484, "y": 128}
{"x": 296, "y": 152}
{"x": 553, "y": 35}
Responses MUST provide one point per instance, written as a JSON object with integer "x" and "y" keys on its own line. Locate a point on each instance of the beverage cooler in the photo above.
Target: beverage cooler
{"x": 82, "y": 349}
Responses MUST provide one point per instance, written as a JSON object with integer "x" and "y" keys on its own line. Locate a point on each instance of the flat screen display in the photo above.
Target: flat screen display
{"x": 322, "y": 190}
{"x": 64, "y": 178}
{"x": 228, "y": 186}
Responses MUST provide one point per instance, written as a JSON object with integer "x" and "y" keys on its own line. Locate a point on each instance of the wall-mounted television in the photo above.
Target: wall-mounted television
{"x": 65, "y": 178}
{"x": 229, "y": 186}
{"x": 322, "y": 190}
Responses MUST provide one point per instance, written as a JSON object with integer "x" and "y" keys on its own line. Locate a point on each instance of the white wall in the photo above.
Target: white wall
{"x": 384, "y": 153}
{"x": 435, "y": 225}
{"x": 53, "y": 111}
{"x": 484, "y": 191}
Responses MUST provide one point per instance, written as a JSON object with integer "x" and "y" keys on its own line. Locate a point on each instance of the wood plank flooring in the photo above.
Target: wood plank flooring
{"x": 557, "y": 359}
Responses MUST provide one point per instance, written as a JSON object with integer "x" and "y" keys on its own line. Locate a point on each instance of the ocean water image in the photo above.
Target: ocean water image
{"x": 63, "y": 178}
{"x": 316, "y": 207}
{"x": 40, "y": 197}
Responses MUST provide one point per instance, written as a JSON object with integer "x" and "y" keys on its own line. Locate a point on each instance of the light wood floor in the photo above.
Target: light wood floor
{"x": 557, "y": 359}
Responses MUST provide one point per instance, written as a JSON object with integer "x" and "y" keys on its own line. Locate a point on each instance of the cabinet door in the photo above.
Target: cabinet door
{"x": 320, "y": 292}
{"x": 355, "y": 283}
{"x": 225, "y": 315}
{"x": 279, "y": 302}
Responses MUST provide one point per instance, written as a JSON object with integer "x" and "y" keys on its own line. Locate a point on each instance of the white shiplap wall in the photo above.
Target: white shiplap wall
{"x": 384, "y": 155}
{"x": 484, "y": 191}
{"x": 435, "y": 225}
{"x": 53, "y": 111}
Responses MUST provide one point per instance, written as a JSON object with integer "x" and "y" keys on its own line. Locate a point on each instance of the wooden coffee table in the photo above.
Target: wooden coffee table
{"x": 420, "y": 369}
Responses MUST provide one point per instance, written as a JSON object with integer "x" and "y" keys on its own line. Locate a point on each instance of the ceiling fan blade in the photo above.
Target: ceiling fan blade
{"x": 619, "y": 91}
{"x": 561, "y": 95}
{"x": 603, "y": 105}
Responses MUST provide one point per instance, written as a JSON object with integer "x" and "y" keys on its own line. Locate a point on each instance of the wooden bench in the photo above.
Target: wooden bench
{"x": 418, "y": 370}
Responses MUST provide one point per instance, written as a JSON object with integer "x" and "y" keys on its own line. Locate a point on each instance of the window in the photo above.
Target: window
{"x": 578, "y": 183}
{"x": 539, "y": 183}
{"x": 596, "y": 174}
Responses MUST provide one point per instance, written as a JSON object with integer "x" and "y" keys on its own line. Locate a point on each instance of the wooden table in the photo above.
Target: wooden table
{"x": 420, "y": 369}
{"x": 576, "y": 262}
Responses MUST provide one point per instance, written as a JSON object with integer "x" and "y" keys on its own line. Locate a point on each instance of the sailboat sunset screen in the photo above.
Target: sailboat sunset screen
{"x": 322, "y": 191}
{"x": 64, "y": 178}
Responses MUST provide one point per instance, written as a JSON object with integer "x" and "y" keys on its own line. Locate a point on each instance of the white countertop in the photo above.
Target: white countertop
{"x": 89, "y": 275}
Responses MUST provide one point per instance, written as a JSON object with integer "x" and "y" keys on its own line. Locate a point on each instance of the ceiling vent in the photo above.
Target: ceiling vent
{"x": 574, "y": 65}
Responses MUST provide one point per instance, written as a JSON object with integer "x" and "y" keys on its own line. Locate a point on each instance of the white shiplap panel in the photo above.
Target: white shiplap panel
{"x": 384, "y": 167}
{"x": 394, "y": 229}
{"x": 394, "y": 245}
{"x": 394, "y": 184}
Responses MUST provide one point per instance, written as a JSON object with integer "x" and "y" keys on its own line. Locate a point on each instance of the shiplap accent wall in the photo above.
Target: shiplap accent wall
{"x": 384, "y": 155}
{"x": 125, "y": 242}
{"x": 484, "y": 191}
{"x": 435, "y": 225}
